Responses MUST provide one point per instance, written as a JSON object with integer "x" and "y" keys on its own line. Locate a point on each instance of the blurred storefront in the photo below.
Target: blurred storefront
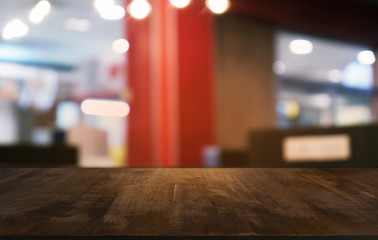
{"x": 53, "y": 56}
{"x": 330, "y": 81}
{"x": 178, "y": 82}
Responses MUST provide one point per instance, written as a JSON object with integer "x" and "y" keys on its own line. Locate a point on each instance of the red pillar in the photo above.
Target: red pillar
{"x": 171, "y": 78}
{"x": 197, "y": 84}
{"x": 138, "y": 80}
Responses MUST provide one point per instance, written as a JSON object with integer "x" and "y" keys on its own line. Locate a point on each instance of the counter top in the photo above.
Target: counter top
{"x": 187, "y": 203}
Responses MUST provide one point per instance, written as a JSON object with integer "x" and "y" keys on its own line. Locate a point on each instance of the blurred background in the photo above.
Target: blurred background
{"x": 188, "y": 83}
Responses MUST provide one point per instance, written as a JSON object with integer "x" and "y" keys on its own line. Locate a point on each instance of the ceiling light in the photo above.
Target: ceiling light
{"x": 35, "y": 18}
{"x": 120, "y": 46}
{"x": 39, "y": 12}
{"x": 139, "y": 9}
{"x": 110, "y": 108}
{"x": 108, "y": 10}
{"x": 366, "y": 57}
{"x": 300, "y": 46}
{"x": 179, "y": 3}
{"x": 218, "y": 6}
{"x": 112, "y": 13}
{"x": 102, "y": 4}
{"x": 15, "y": 29}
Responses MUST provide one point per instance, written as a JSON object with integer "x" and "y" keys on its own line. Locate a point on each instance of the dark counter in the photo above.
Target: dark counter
{"x": 26, "y": 155}
{"x": 188, "y": 203}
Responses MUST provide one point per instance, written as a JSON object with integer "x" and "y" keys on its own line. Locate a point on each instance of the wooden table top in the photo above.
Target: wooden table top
{"x": 196, "y": 202}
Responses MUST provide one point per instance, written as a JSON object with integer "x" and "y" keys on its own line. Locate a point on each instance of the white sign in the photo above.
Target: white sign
{"x": 317, "y": 148}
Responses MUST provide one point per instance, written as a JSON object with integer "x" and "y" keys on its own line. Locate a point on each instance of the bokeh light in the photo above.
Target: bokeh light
{"x": 139, "y": 9}
{"x": 120, "y": 46}
{"x": 39, "y": 12}
{"x": 218, "y": 6}
{"x": 300, "y": 46}
{"x": 179, "y": 3}
{"x": 15, "y": 29}
{"x": 366, "y": 57}
{"x": 110, "y": 108}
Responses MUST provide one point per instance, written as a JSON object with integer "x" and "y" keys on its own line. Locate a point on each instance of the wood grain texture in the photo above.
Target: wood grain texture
{"x": 189, "y": 202}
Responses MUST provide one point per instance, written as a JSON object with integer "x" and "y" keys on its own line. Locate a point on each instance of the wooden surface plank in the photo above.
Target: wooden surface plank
{"x": 189, "y": 202}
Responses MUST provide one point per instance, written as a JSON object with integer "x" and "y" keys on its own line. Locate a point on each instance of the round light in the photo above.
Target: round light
{"x": 67, "y": 115}
{"x": 179, "y": 3}
{"x": 15, "y": 29}
{"x": 218, "y": 6}
{"x": 139, "y": 9}
{"x": 357, "y": 75}
{"x": 300, "y": 46}
{"x": 103, "y": 4}
{"x": 112, "y": 13}
{"x": 289, "y": 108}
{"x": 39, "y": 12}
{"x": 279, "y": 67}
{"x": 35, "y": 18}
{"x": 366, "y": 57}
{"x": 335, "y": 75}
{"x": 120, "y": 46}
{"x": 43, "y": 7}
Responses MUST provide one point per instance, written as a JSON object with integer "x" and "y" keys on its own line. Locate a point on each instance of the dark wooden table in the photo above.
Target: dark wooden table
{"x": 189, "y": 203}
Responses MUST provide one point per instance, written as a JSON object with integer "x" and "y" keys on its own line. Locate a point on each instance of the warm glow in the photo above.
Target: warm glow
{"x": 110, "y": 108}
{"x": 103, "y": 4}
{"x": 108, "y": 10}
{"x": 139, "y": 9}
{"x": 120, "y": 46}
{"x": 78, "y": 25}
{"x": 39, "y": 12}
{"x": 300, "y": 46}
{"x": 292, "y": 109}
{"x": 15, "y": 29}
{"x": 113, "y": 13}
{"x": 218, "y": 6}
{"x": 366, "y": 57}
{"x": 179, "y": 3}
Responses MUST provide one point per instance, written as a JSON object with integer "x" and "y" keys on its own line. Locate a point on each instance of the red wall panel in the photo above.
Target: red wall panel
{"x": 171, "y": 77}
{"x": 196, "y": 82}
{"x": 139, "y": 139}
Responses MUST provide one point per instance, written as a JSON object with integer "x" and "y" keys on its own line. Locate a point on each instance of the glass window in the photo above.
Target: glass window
{"x": 330, "y": 81}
